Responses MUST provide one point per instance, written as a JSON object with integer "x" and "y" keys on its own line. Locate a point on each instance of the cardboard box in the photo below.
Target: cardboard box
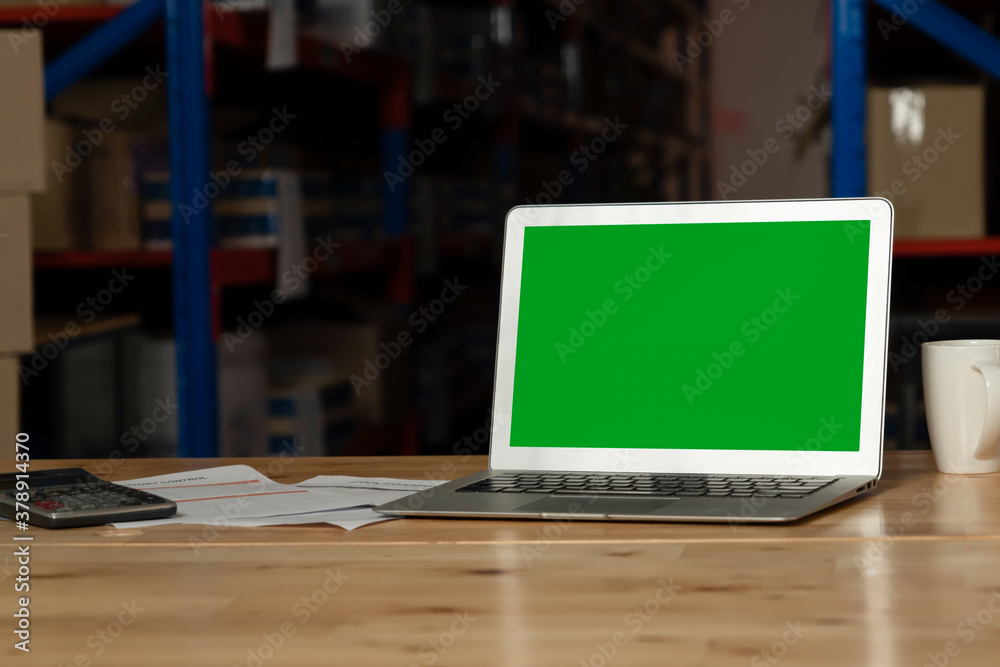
{"x": 16, "y": 290}
{"x": 10, "y": 406}
{"x": 114, "y": 197}
{"x": 925, "y": 155}
{"x": 107, "y": 105}
{"x": 58, "y": 213}
{"x": 22, "y": 132}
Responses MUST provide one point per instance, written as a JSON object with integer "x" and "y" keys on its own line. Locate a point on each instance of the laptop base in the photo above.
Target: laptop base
{"x": 445, "y": 501}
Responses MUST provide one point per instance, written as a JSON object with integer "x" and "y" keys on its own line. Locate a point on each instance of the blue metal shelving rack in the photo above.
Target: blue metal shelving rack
{"x": 848, "y": 112}
{"x": 189, "y": 166}
{"x": 192, "y": 229}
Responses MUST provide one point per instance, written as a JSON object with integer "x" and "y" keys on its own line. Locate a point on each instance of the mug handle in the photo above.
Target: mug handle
{"x": 990, "y": 438}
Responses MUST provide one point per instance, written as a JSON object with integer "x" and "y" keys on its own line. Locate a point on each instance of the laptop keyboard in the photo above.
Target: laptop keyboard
{"x": 596, "y": 484}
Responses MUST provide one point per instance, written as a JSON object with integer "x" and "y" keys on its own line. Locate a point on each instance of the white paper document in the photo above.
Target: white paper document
{"x": 348, "y": 518}
{"x": 238, "y": 495}
{"x": 373, "y": 490}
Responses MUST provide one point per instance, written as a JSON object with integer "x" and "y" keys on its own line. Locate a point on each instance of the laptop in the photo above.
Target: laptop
{"x": 707, "y": 361}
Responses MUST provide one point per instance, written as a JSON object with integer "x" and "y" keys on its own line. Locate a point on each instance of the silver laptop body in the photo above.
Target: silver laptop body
{"x": 705, "y": 361}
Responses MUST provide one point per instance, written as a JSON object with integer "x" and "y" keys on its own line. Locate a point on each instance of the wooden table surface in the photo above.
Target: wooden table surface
{"x": 906, "y": 575}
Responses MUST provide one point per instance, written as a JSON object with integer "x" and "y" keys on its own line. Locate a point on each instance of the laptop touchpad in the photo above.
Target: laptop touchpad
{"x": 604, "y": 506}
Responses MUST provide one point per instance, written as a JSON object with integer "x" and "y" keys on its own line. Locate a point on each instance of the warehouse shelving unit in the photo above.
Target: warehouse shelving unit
{"x": 200, "y": 271}
{"x": 916, "y": 305}
{"x": 848, "y": 29}
{"x": 191, "y": 30}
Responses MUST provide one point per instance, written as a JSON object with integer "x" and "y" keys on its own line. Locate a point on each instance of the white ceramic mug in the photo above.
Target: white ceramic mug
{"x": 962, "y": 401}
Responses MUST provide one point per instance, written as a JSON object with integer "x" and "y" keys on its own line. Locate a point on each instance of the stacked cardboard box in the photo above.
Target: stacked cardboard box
{"x": 102, "y": 133}
{"x": 926, "y": 155}
{"x": 22, "y": 171}
{"x": 57, "y": 214}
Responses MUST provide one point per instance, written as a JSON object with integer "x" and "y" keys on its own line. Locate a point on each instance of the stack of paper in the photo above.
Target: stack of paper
{"x": 240, "y": 496}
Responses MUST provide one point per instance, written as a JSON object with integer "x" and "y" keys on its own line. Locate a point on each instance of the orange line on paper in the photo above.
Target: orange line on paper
{"x": 241, "y": 495}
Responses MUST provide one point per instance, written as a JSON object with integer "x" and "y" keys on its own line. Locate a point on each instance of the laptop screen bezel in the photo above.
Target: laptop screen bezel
{"x": 866, "y": 461}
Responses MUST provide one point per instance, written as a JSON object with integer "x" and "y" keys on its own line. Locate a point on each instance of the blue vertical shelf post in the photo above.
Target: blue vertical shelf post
{"x": 848, "y": 168}
{"x": 192, "y": 230}
{"x": 395, "y": 121}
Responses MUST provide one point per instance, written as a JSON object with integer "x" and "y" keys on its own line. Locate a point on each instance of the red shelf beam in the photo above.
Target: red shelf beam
{"x": 85, "y": 259}
{"x": 946, "y": 247}
{"x": 230, "y": 266}
{"x": 36, "y": 15}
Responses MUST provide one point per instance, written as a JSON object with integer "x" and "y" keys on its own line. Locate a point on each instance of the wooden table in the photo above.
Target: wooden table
{"x": 906, "y": 575}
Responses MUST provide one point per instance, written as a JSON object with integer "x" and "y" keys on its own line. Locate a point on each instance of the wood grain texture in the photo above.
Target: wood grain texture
{"x": 854, "y": 586}
{"x": 911, "y": 501}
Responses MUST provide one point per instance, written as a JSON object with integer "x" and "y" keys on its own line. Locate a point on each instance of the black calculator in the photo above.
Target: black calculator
{"x": 71, "y": 497}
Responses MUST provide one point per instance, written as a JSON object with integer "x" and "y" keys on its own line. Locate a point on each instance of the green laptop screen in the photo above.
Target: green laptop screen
{"x": 745, "y": 336}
